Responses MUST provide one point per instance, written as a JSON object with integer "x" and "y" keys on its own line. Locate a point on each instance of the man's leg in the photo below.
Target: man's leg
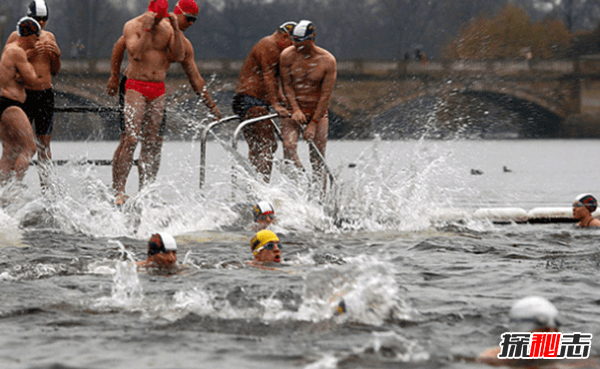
{"x": 18, "y": 144}
{"x": 261, "y": 141}
{"x": 150, "y": 153}
{"x": 44, "y": 156}
{"x": 320, "y": 142}
{"x": 290, "y": 132}
{"x": 135, "y": 107}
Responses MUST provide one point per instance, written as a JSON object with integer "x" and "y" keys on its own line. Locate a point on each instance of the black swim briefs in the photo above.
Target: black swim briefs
{"x": 242, "y": 103}
{"x": 6, "y": 103}
{"x": 39, "y": 107}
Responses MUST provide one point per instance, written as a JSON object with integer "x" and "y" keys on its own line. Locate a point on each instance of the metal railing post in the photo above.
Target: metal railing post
{"x": 203, "y": 139}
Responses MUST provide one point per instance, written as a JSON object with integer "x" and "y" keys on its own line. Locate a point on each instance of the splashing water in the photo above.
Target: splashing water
{"x": 126, "y": 290}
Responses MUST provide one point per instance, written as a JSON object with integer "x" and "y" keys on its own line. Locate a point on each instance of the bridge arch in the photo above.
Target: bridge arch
{"x": 520, "y": 94}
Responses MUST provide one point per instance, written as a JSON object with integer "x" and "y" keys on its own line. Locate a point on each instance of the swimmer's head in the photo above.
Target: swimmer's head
{"x": 188, "y": 8}
{"x": 160, "y": 7}
{"x": 587, "y": 200}
{"x": 288, "y": 27}
{"x": 533, "y": 313}
{"x": 161, "y": 243}
{"x": 28, "y": 26}
{"x": 303, "y": 31}
{"x": 263, "y": 211}
{"x": 266, "y": 247}
{"x": 38, "y": 10}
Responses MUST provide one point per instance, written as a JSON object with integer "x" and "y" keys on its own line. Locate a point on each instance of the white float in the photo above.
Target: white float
{"x": 509, "y": 215}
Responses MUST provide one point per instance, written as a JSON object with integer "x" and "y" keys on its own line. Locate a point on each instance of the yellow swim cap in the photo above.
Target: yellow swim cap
{"x": 262, "y": 238}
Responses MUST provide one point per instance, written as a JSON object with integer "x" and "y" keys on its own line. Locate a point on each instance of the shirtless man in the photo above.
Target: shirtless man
{"x": 186, "y": 12}
{"x": 18, "y": 142}
{"x": 152, "y": 42}
{"x": 308, "y": 73}
{"x": 258, "y": 88}
{"x": 39, "y": 105}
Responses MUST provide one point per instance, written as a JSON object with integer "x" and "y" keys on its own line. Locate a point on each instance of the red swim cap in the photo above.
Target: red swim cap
{"x": 188, "y": 7}
{"x": 160, "y": 7}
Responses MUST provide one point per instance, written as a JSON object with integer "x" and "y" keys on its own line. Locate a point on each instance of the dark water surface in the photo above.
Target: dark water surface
{"x": 419, "y": 292}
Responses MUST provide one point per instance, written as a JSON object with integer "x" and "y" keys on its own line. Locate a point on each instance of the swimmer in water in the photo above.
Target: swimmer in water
{"x": 583, "y": 207}
{"x": 264, "y": 214}
{"x": 534, "y": 314}
{"x": 266, "y": 248}
{"x": 162, "y": 251}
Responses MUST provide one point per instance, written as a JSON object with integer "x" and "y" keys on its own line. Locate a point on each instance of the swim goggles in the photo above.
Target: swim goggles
{"x": 188, "y": 17}
{"x": 263, "y": 216}
{"x": 578, "y": 204}
{"x": 269, "y": 246}
{"x": 154, "y": 249}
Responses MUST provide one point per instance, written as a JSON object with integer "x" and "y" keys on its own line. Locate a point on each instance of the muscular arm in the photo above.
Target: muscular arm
{"x": 268, "y": 60}
{"x": 116, "y": 58}
{"x": 176, "y": 46}
{"x": 196, "y": 80}
{"x": 285, "y": 64}
{"x": 24, "y": 68}
{"x": 54, "y": 55}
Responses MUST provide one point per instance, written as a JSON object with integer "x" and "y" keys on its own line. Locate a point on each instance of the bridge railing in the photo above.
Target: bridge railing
{"x": 383, "y": 68}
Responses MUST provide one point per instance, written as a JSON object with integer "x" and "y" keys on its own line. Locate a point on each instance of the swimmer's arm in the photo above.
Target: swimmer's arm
{"x": 327, "y": 85}
{"x": 116, "y": 59}
{"x": 55, "y": 54}
{"x": 24, "y": 68}
{"x": 285, "y": 70}
{"x": 268, "y": 63}
{"x": 198, "y": 84}
{"x": 176, "y": 47}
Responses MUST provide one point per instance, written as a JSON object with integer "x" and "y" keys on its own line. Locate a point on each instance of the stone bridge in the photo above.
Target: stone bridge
{"x": 568, "y": 91}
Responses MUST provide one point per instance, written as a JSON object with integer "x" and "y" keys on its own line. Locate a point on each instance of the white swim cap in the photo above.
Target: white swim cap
{"x": 263, "y": 207}
{"x": 303, "y": 31}
{"x": 28, "y": 26}
{"x": 161, "y": 242}
{"x": 533, "y": 312}
{"x": 168, "y": 241}
{"x": 288, "y": 27}
{"x": 38, "y": 9}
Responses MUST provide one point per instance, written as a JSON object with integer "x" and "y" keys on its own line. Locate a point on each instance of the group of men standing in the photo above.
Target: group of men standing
{"x": 285, "y": 70}
{"x": 30, "y": 59}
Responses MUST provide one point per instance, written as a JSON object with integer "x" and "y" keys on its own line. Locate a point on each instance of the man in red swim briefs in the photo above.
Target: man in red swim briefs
{"x": 152, "y": 41}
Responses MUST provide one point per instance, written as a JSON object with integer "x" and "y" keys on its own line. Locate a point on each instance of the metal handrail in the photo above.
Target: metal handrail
{"x": 250, "y": 121}
{"x": 244, "y": 124}
{"x": 203, "y": 139}
{"x": 320, "y": 156}
{"x": 85, "y": 109}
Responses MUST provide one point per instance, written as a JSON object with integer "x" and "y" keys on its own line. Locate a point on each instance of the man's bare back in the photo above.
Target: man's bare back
{"x": 15, "y": 70}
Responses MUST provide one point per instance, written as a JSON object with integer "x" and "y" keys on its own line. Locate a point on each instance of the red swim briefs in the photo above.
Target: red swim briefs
{"x": 151, "y": 90}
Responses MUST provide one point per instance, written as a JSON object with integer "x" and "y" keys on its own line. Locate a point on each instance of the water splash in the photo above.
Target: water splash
{"x": 126, "y": 289}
